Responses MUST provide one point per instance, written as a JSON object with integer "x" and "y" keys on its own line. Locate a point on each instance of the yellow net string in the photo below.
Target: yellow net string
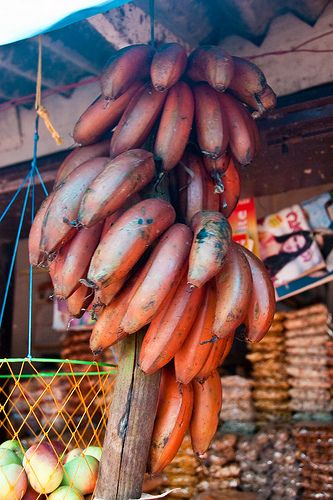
{"x": 40, "y": 109}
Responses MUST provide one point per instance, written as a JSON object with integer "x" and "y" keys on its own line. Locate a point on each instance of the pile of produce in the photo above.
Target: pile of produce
{"x": 237, "y": 411}
{"x": 268, "y": 464}
{"x": 219, "y": 470}
{"x": 270, "y": 385}
{"x": 307, "y": 368}
{"x": 47, "y": 468}
{"x": 315, "y": 452}
{"x": 176, "y": 127}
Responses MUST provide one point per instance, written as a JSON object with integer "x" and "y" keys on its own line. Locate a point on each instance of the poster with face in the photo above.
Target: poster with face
{"x": 287, "y": 245}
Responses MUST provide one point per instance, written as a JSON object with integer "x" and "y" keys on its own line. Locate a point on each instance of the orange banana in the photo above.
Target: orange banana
{"x": 170, "y": 327}
{"x": 211, "y": 124}
{"x": 172, "y": 420}
{"x": 57, "y": 263}
{"x": 211, "y": 64}
{"x": 241, "y": 137}
{"x": 127, "y": 239}
{"x": 60, "y": 219}
{"x": 107, "y": 331}
{"x": 123, "y": 176}
{"x": 234, "y": 291}
{"x": 127, "y": 65}
{"x": 207, "y": 403}
{"x": 79, "y": 251}
{"x": 218, "y": 352}
{"x": 230, "y": 196}
{"x": 36, "y": 256}
{"x": 212, "y": 237}
{"x": 190, "y": 358}
{"x": 137, "y": 121}
{"x": 168, "y": 65}
{"x": 104, "y": 296}
{"x": 164, "y": 272}
{"x": 79, "y": 156}
{"x": 248, "y": 80}
{"x": 175, "y": 125}
{"x": 101, "y": 116}
{"x": 191, "y": 182}
{"x": 262, "y": 304}
{"x": 79, "y": 301}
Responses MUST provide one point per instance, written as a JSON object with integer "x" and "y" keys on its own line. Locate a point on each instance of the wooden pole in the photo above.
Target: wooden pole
{"x": 129, "y": 429}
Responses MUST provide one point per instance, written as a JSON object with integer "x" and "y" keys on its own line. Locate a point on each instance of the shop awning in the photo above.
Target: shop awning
{"x": 20, "y": 20}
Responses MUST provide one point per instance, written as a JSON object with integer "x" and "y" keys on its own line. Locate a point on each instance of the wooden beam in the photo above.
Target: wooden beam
{"x": 129, "y": 429}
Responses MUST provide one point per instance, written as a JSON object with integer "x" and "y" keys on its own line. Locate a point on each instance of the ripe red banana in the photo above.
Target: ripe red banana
{"x": 164, "y": 272}
{"x": 168, "y": 65}
{"x": 79, "y": 301}
{"x": 234, "y": 290}
{"x": 190, "y": 358}
{"x": 211, "y": 64}
{"x": 79, "y": 156}
{"x": 262, "y": 303}
{"x": 123, "y": 176}
{"x": 207, "y": 403}
{"x": 36, "y": 256}
{"x": 78, "y": 255}
{"x": 175, "y": 125}
{"x": 58, "y": 225}
{"x": 212, "y": 238}
{"x": 218, "y": 352}
{"x": 137, "y": 121}
{"x": 101, "y": 116}
{"x": 127, "y": 239}
{"x": 191, "y": 182}
{"x": 170, "y": 327}
{"x": 230, "y": 196}
{"x": 211, "y": 124}
{"x": 126, "y": 66}
{"x": 107, "y": 331}
{"x": 172, "y": 420}
{"x": 216, "y": 170}
{"x": 248, "y": 80}
{"x": 241, "y": 137}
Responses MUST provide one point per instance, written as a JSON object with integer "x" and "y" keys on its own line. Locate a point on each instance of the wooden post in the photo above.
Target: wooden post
{"x": 129, "y": 429}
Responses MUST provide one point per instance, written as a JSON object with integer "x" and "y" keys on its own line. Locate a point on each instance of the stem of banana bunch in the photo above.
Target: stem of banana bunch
{"x": 131, "y": 415}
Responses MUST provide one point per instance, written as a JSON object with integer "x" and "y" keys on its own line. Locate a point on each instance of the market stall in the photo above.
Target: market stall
{"x": 148, "y": 233}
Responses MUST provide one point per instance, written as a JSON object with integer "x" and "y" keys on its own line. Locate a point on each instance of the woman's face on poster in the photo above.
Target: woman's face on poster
{"x": 293, "y": 244}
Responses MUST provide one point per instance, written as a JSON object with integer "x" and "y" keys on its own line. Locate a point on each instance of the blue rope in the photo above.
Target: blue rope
{"x": 14, "y": 252}
{"x": 33, "y": 171}
{"x": 41, "y": 181}
{"x": 19, "y": 189}
{"x": 29, "y": 354}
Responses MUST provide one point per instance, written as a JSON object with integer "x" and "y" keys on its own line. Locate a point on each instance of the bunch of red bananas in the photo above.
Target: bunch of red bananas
{"x": 167, "y": 265}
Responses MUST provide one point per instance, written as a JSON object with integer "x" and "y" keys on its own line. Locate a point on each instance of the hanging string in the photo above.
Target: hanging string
{"x": 40, "y": 109}
{"x": 152, "y": 22}
{"x": 19, "y": 189}
{"x": 14, "y": 252}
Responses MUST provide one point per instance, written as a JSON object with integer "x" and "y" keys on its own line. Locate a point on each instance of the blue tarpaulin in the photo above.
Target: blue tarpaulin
{"x": 22, "y": 19}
